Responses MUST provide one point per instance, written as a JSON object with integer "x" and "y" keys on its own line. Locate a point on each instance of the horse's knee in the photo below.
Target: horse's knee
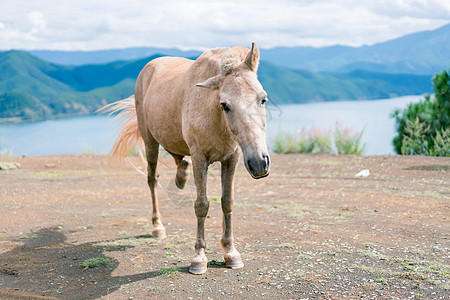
{"x": 201, "y": 207}
{"x": 227, "y": 205}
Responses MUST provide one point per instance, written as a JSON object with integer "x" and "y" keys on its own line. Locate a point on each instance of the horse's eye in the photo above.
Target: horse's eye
{"x": 264, "y": 100}
{"x": 225, "y": 106}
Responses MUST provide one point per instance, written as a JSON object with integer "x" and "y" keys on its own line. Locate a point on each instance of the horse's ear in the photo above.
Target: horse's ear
{"x": 252, "y": 59}
{"x": 212, "y": 83}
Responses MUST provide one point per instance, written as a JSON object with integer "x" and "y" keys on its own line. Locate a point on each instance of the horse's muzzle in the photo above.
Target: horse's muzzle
{"x": 258, "y": 167}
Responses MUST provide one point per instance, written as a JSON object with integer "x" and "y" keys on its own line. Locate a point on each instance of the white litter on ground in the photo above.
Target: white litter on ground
{"x": 363, "y": 173}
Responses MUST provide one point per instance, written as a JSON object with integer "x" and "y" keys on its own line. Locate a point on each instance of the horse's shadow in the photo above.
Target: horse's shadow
{"x": 46, "y": 265}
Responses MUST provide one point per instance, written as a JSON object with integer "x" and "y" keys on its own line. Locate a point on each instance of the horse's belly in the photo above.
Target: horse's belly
{"x": 176, "y": 147}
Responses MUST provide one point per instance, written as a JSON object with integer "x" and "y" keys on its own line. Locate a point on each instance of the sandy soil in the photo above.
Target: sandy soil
{"x": 309, "y": 230}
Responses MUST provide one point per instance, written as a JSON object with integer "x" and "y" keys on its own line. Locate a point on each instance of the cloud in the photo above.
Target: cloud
{"x": 37, "y": 22}
{"x": 88, "y": 25}
{"x": 418, "y": 9}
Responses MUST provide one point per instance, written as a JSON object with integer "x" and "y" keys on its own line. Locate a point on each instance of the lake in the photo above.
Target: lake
{"x": 95, "y": 134}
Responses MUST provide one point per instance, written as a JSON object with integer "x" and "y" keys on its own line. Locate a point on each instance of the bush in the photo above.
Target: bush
{"x": 424, "y": 127}
{"x": 347, "y": 142}
{"x": 4, "y": 152}
{"x": 318, "y": 141}
{"x": 313, "y": 141}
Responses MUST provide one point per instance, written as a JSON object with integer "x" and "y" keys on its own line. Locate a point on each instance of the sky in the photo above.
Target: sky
{"x": 202, "y": 24}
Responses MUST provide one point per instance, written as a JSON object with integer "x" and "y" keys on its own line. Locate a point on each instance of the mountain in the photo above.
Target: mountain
{"x": 286, "y": 85}
{"x": 426, "y": 52}
{"x": 32, "y": 89}
{"x": 78, "y": 58}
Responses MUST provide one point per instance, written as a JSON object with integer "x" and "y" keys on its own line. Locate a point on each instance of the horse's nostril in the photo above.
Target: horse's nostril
{"x": 266, "y": 160}
{"x": 250, "y": 168}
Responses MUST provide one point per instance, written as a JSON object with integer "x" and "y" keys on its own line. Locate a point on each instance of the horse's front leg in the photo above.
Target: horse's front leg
{"x": 200, "y": 168}
{"x": 231, "y": 255}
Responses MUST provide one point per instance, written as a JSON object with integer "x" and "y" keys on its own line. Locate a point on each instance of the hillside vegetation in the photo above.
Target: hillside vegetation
{"x": 32, "y": 89}
{"x": 424, "y": 128}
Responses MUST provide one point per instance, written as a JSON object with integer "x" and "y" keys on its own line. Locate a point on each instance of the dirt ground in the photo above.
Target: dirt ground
{"x": 309, "y": 230}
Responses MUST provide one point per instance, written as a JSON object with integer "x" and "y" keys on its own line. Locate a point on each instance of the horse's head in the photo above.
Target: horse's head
{"x": 242, "y": 101}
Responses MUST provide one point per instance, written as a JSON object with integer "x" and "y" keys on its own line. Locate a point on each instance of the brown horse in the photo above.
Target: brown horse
{"x": 206, "y": 109}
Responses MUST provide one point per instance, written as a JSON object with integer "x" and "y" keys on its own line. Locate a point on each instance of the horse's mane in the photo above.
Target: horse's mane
{"x": 224, "y": 60}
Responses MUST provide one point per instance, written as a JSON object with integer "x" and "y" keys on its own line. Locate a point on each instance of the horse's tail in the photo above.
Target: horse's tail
{"x": 128, "y": 136}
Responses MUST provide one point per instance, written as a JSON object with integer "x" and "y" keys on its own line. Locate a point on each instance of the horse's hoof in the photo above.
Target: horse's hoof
{"x": 234, "y": 262}
{"x": 159, "y": 233}
{"x": 198, "y": 268}
{"x": 182, "y": 174}
{"x": 180, "y": 182}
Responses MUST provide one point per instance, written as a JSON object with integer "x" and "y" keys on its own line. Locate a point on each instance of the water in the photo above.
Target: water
{"x": 95, "y": 134}
{"x": 91, "y": 134}
{"x": 371, "y": 116}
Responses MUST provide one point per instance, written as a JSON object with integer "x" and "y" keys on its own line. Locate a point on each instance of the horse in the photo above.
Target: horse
{"x": 210, "y": 109}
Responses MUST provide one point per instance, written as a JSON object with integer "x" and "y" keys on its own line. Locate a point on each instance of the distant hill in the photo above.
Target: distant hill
{"x": 426, "y": 52}
{"x": 78, "y": 58}
{"x": 286, "y": 85}
{"x": 32, "y": 89}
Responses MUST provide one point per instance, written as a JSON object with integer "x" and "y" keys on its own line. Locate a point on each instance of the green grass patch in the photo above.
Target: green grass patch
{"x": 286, "y": 245}
{"x": 129, "y": 241}
{"x": 434, "y": 268}
{"x": 215, "y": 199}
{"x": 366, "y": 253}
{"x": 370, "y": 269}
{"x": 216, "y": 263}
{"x": 95, "y": 262}
{"x": 169, "y": 271}
{"x": 48, "y": 174}
{"x": 27, "y": 237}
{"x": 334, "y": 253}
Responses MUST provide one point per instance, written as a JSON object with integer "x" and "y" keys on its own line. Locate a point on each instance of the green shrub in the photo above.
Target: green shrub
{"x": 285, "y": 143}
{"x": 4, "y": 152}
{"x": 318, "y": 141}
{"x": 423, "y": 127}
{"x": 414, "y": 140}
{"x": 313, "y": 141}
{"x": 347, "y": 142}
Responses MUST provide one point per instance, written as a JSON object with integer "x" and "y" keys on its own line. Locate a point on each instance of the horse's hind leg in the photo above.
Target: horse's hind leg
{"x": 151, "y": 150}
{"x": 182, "y": 170}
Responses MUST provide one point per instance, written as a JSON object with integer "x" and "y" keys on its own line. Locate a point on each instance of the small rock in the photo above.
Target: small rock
{"x": 363, "y": 173}
{"x": 9, "y": 165}
{"x": 269, "y": 193}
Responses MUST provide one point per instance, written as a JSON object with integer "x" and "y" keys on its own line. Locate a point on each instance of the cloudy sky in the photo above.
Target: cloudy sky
{"x": 201, "y": 24}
